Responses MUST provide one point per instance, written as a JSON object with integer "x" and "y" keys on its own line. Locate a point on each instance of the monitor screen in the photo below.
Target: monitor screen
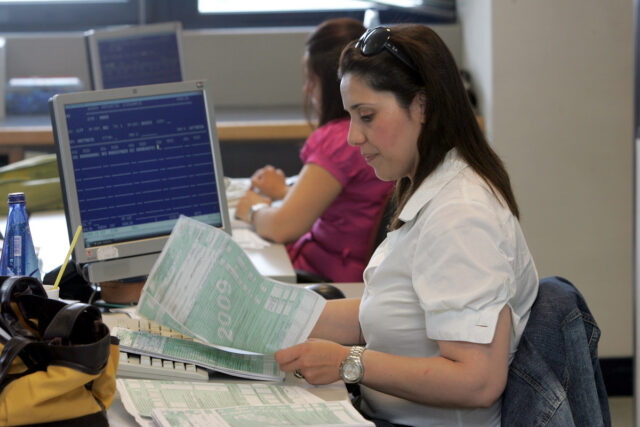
{"x": 132, "y": 160}
{"x": 133, "y": 56}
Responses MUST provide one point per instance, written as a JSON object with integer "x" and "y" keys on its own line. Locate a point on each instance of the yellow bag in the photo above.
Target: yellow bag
{"x": 58, "y": 361}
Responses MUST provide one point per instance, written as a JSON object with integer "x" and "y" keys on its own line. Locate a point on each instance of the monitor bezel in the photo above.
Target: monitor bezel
{"x": 58, "y": 103}
{"x": 93, "y": 37}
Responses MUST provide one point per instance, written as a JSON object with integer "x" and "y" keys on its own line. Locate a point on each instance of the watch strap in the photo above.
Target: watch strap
{"x": 356, "y": 352}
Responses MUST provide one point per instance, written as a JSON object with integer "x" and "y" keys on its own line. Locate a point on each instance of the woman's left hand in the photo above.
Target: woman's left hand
{"x": 270, "y": 182}
{"x": 317, "y": 360}
{"x": 249, "y": 199}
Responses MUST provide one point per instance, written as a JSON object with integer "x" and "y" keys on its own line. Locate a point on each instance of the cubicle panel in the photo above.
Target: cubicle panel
{"x": 242, "y": 158}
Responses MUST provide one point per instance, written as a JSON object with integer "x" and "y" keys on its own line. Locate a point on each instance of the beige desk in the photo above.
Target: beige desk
{"x": 272, "y": 261}
{"x": 234, "y": 124}
{"x": 49, "y": 233}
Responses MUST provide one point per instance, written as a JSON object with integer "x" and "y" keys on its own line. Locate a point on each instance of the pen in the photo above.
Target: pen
{"x": 66, "y": 260}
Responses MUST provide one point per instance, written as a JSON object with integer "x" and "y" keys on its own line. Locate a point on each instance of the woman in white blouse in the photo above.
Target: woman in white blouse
{"x": 448, "y": 293}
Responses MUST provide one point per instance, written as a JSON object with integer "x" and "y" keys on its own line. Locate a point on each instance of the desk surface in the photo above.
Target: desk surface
{"x": 233, "y": 124}
{"x": 49, "y": 233}
{"x": 272, "y": 261}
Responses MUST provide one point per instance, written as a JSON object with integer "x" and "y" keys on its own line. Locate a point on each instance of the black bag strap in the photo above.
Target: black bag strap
{"x": 11, "y": 291}
{"x": 70, "y": 335}
{"x": 88, "y": 358}
{"x": 23, "y": 285}
{"x": 77, "y": 338}
{"x": 65, "y": 320}
{"x": 11, "y": 350}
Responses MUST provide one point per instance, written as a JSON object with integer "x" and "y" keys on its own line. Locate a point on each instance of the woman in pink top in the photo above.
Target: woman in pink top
{"x": 329, "y": 215}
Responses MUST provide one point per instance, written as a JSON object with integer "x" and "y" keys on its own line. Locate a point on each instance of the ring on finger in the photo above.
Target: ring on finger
{"x": 298, "y": 374}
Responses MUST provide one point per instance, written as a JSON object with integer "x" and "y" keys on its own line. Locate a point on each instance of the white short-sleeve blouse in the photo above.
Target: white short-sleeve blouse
{"x": 459, "y": 258}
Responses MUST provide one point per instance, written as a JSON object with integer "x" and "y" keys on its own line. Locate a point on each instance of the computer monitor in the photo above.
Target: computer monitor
{"x": 135, "y": 55}
{"x": 131, "y": 160}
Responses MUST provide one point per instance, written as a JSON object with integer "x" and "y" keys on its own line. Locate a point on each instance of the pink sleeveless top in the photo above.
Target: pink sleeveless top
{"x": 337, "y": 246}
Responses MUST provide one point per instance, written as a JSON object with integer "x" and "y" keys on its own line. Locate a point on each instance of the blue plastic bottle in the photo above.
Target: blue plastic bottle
{"x": 18, "y": 253}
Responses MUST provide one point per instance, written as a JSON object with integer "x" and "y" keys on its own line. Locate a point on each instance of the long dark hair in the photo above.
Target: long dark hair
{"x": 449, "y": 118}
{"x": 323, "y": 49}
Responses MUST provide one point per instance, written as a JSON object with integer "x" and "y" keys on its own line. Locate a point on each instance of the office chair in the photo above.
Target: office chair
{"x": 304, "y": 276}
{"x": 555, "y": 378}
{"x": 326, "y": 290}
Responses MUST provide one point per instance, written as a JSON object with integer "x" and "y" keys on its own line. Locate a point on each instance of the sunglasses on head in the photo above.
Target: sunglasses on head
{"x": 375, "y": 40}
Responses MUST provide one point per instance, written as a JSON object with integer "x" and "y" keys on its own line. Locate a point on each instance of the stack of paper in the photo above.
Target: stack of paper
{"x": 249, "y": 239}
{"x": 177, "y": 404}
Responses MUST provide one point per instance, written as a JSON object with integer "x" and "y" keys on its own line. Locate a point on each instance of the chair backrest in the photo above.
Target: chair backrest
{"x": 555, "y": 377}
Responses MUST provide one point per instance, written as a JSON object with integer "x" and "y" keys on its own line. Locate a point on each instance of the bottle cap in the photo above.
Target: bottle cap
{"x": 16, "y": 198}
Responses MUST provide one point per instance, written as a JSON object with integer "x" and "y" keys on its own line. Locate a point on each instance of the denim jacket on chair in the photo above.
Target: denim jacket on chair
{"x": 555, "y": 378}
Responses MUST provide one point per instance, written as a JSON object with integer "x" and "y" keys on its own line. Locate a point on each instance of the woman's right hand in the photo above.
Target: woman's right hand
{"x": 248, "y": 200}
{"x": 270, "y": 182}
{"x": 317, "y": 361}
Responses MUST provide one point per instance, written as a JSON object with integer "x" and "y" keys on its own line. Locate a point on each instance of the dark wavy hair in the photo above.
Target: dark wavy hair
{"x": 323, "y": 48}
{"x": 449, "y": 118}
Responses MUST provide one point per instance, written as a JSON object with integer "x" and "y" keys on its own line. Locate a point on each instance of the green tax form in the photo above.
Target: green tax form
{"x": 242, "y": 404}
{"x": 324, "y": 414}
{"x": 141, "y": 397}
{"x": 204, "y": 285}
{"x": 244, "y": 365}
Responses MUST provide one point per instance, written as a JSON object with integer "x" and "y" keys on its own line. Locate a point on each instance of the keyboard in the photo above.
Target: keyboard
{"x": 154, "y": 368}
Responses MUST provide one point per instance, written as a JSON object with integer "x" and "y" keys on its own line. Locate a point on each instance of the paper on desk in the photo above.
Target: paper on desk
{"x": 235, "y": 189}
{"x": 249, "y": 239}
{"x": 204, "y": 285}
{"x": 140, "y": 397}
{"x": 340, "y": 413}
{"x": 252, "y": 366}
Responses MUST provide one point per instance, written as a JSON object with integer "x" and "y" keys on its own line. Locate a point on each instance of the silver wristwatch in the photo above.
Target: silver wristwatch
{"x": 255, "y": 208}
{"x": 352, "y": 370}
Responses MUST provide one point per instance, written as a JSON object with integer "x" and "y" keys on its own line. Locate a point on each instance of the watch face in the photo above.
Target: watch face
{"x": 351, "y": 370}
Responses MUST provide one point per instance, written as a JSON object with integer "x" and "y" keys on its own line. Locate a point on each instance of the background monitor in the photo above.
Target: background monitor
{"x": 135, "y": 55}
{"x": 131, "y": 160}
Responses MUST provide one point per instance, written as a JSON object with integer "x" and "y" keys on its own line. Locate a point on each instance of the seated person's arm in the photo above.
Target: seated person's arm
{"x": 339, "y": 322}
{"x": 465, "y": 375}
{"x": 309, "y": 197}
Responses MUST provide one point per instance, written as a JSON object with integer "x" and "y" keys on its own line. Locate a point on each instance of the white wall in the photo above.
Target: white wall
{"x": 560, "y": 113}
{"x": 476, "y": 54}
